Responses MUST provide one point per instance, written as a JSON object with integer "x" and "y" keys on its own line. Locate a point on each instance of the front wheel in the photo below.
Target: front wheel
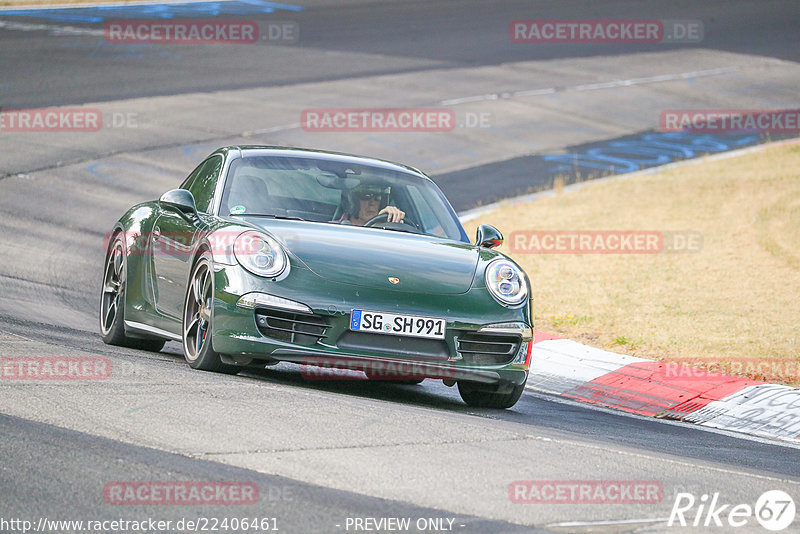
{"x": 197, "y": 315}
{"x": 483, "y": 396}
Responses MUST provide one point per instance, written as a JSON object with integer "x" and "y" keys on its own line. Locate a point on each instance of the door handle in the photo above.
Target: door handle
{"x": 156, "y": 233}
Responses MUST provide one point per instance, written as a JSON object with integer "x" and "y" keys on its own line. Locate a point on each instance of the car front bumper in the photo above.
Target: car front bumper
{"x": 322, "y": 338}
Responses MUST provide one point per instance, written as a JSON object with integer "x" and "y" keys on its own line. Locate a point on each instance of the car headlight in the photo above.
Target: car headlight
{"x": 260, "y": 254}
{"x": 506, "y": 282}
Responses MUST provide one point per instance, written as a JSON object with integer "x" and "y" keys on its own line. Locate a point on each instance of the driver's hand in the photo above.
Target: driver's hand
{"x": 395, "y": 214}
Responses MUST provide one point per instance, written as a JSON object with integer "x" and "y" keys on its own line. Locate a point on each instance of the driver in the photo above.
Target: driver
{"x": 364, "y": 202}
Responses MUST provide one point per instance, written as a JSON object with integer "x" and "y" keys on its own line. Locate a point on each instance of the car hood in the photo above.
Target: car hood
{"x": 370, "y": 257}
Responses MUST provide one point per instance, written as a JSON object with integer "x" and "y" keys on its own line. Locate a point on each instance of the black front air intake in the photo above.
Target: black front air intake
{"x": 487, "y": 349}
{"x": 297, "y": 328}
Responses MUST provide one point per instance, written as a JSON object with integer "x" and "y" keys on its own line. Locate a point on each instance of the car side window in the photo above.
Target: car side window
{"x": 203, "y": 182}
{"x": 427, "y": 217}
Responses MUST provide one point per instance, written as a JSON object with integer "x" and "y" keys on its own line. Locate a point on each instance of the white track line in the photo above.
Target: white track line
{"x": 609, "y": 522}
{"x": 273, "y": 129}
{"x": 55, "y": 29}
{"x": 592, "y": 86}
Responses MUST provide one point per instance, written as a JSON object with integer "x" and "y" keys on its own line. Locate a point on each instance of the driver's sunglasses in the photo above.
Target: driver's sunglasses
{"x": 369, "y": 196}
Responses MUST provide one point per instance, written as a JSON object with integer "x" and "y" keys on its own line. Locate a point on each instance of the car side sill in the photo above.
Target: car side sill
{"x": 147, "y": 329}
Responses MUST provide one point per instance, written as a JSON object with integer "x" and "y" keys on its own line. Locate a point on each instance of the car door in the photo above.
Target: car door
{"x": 174, "y": 237}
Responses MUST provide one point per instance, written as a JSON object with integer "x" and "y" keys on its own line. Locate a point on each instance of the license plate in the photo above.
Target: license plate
{"x": 397, "y": 324}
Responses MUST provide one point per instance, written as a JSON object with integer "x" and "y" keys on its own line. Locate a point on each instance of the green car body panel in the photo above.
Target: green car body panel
{"x": 332, "y": 269}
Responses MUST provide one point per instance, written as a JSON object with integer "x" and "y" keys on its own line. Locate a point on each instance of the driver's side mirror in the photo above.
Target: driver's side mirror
{"x": 488, "y": 236}
{"x": 180, "y": 200}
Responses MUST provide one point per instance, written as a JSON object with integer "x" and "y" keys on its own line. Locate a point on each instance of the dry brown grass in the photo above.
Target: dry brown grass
{"x": 736, "y": 299}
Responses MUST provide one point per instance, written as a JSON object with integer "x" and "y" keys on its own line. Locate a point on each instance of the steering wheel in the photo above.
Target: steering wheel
{"x": 381, "y": 220}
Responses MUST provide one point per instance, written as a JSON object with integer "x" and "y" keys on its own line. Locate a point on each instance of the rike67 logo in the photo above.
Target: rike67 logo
{"x": 774, "y": 510}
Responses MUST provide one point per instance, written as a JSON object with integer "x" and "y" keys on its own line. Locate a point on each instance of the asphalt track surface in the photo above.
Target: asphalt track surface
{"x": 323, "y": 452}
{"x": 399, "y": 36}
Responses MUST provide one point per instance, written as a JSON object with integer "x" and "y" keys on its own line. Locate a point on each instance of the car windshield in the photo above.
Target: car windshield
{"x": 341, "y": 192}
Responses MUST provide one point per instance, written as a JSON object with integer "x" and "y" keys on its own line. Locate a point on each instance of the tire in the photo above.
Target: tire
{"x": 152, "y": 345}
{"x": 481, "y": 396}
{"x": 198, "y": 313}
{"x": 112, "y": 303}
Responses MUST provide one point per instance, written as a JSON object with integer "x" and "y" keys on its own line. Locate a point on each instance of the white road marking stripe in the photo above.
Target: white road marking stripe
{"x": 536, "y": 92}
{"x": 53, "y": 28}
{"x": 273, "y": 129}
{"x": 609, "y": 522}
{"x": 592, "y": 86}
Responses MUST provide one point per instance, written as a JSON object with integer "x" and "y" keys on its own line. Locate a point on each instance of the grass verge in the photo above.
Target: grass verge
{"x": 733, "y": 306}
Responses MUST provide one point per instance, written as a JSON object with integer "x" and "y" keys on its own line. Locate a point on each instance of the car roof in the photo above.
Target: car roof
{"x": 270, "y": 150}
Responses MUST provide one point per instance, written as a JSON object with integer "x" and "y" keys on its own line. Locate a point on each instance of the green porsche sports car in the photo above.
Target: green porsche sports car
{"x": 328, "y": 260}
